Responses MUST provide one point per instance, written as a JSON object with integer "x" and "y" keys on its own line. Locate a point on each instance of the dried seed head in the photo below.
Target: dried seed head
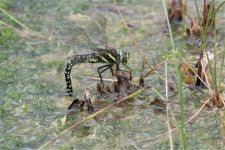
{"x": 98, "y": 88}
{"x": 107, "y": 89}
{"x": 116, "y": 86}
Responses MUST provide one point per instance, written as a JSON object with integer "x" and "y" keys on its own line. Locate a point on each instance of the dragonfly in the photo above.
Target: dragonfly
{"x": 104, "y": 54}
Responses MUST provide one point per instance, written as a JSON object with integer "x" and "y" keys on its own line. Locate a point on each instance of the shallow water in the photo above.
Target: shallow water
{"x": 33, "y": 102}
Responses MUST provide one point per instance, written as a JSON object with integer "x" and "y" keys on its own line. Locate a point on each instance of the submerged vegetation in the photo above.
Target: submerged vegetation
{"x": 7, "y": 38}
{"x": 162, "y": 86}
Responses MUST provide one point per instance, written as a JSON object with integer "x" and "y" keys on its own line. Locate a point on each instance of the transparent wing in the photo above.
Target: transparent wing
{"x": 93, "y": 34}
{"x": 97, "y": 30}
{"x": 83, "y": 40}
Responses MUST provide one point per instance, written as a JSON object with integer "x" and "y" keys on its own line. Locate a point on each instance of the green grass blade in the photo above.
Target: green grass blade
{"x": 14, "y": 19}
{"x": 196, "y": 6}
{"x": 182, "y": 134}
{"x": 222, "y": 66}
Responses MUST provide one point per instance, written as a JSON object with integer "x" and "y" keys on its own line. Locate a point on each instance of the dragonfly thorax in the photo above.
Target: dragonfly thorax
{"x": 124, "y": 57}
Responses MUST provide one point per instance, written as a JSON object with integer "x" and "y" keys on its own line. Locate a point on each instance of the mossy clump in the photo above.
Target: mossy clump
{"x": 4, "y": 4}
{"x": 56, "y": 64}
{"x": 7, "y": 37}
{"x": 2, "y": 57}
{"x": 4, "y": 74}
{"x": 13, "y": 95}
{"x": 81, "y": 6}
{"x": 122, "y": 28}
{"x": 120, "y": 1}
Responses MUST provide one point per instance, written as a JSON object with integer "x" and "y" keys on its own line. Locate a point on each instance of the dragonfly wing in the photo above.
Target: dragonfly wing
{"x": 93, "y": 34}
{"x": 101, "y": 23}
{"x": 83, "y": 39}
{"x": 97, "y": 30}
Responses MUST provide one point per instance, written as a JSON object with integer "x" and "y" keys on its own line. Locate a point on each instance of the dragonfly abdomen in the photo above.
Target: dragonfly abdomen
{"x": 75, "y": 60}
{"x": 89, "y": 58}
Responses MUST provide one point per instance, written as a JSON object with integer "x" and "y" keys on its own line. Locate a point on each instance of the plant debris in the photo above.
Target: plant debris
{"x": 175, "y": 11}
{"x": 80, "y": 103}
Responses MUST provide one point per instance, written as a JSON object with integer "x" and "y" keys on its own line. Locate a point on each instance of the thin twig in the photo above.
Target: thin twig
{"x": 132, "y": 83}
{"x": 14, "y": 19}
{"x": 221, "y": 114}
{"x": 155, "y": 67}
{"x": 25, "y": 32}
{"x": 167, "y": 110}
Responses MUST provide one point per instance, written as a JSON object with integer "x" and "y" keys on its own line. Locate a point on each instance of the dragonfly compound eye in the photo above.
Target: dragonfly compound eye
{"x": 127, "y": 56}
{"x": 124, "y": 57}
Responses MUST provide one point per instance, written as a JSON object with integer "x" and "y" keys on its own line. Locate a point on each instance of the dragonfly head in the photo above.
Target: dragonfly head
{"x": 124, "y": 57}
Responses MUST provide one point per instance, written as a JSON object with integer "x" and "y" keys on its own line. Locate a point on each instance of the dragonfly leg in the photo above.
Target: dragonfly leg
{"x": 127, "y": 67}
{"x": 129, "y": 71}
{"x": 112, "y": 71}
{"x": 103, "y": 69}
{"x": 100, "y": 71}
{"x": 117, "y": 66}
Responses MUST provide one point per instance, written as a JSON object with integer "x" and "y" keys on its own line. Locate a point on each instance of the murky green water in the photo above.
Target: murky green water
{"x": 33, "y": 104}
